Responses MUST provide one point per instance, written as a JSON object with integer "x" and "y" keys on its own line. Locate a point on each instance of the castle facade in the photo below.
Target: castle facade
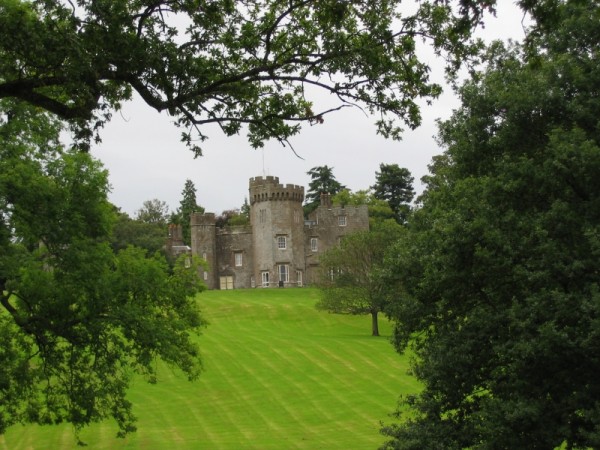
{"x": 279, "y": 248}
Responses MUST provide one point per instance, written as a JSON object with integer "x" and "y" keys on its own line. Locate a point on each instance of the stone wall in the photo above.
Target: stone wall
{"x": 235, "y": 256}
{"x": 204, "y": 244}
{"x": 328, "y": 225}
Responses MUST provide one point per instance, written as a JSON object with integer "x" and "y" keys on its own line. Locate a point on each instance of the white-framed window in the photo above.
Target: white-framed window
{"x": 238, "y": 259}
{"x": 264, "y": 278}
{"x": 284, "y": 272}
{"x": 204, "y": 256}
{"x": 342, "y": 221}
{"x": 314, "y": 244}
{"x": 281, "y": 242}
{"x": 205, "y": 275}
{"x": 299, "y": 278}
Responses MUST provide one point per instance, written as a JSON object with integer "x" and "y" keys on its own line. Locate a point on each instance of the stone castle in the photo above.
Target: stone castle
{"x": 279, "y": 248}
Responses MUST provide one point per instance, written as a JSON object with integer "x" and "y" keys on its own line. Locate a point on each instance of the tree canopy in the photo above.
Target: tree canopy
{"x": 153, "y": 211}
{"x": 394, "y": 184}
{"x": 149, "y": 235}
{"x": 351, "y": 279}
{"x": 322, "y": 181}
{"x": 77, "y": 320}
{"x": 498, "y": 281}
{"x": 187, "y": 205}
{"x": 258, "y": 64}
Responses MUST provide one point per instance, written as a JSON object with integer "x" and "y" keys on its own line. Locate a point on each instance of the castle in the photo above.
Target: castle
{"x": 279, "y": 248}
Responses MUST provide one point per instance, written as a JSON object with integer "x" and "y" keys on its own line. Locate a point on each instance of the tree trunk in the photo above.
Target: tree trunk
{"x": 374, "y": 323}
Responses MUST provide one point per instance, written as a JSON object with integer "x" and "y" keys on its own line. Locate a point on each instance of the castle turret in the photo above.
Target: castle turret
{"x": 277, "y": 222}
{"x": 204, "y": 244}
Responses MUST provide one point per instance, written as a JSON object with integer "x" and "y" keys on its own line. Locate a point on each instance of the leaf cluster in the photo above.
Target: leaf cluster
{"x": 498, "y": 281}
{"x": 231, "y": 64}
{"x": 77, "y": 320}
{"x": 351, "y": 279}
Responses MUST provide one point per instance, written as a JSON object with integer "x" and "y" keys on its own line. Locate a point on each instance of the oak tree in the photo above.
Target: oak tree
{"x": 76, "y": 320}
{"x": 258, "y": 64}
{"x": 351, "y": 279}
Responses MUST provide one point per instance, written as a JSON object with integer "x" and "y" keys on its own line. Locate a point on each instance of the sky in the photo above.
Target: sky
{"x": 142, "y": 151}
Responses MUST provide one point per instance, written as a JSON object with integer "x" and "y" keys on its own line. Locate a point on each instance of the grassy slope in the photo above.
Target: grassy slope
{"x": 278, "y": 375}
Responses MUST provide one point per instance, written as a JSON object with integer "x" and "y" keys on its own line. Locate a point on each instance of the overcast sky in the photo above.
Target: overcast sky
{"x": 144, "y": 156}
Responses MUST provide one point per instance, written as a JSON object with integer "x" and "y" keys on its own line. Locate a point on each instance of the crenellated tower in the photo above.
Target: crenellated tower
{"x": 277, "y": 221}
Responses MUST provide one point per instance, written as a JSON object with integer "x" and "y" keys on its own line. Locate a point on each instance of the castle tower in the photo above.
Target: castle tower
{"x": 277, "y": 222}
{"x": 204, "y": 244}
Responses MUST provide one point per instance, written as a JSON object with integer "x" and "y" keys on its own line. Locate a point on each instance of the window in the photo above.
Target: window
{"x": 281, "y": 242}
{"x": 204, "y": 256}
{"x": 238, "y": 259}
{"x": 299, "y": 277}
{"x": 263, "y": 216}
{"x": 342, "y": 221}
{"x": 284, "y": 273}
{"x": 313, "y": 244}
{"x": 265, "y": 279}
{"x": 296, "y": 216}
{"x": 205, "y": 276}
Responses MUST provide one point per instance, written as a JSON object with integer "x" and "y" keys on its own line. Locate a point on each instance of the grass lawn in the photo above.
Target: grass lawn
{"x": 278, "y": 375}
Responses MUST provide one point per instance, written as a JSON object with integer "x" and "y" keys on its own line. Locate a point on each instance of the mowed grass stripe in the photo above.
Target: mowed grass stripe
{"x": 278, "y": 375}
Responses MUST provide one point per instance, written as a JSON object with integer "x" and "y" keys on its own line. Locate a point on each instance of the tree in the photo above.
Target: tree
{"x": 187, "y": 206}
{"x": 245, "y": 209}
{"x": 395, "y": 185}
{"x": 499, "y": 278}
{"x": 322, "y": 182}
{"x": 154, "y": 212}
{"x": 77, "y": 321}
{"x": 228, "y": 63}
{"x": 150, "y": 236}
{"x": 350, "y": 281}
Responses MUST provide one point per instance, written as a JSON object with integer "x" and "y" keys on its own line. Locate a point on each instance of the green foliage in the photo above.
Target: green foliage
{"x": 322, "y": 182}
{"x": 350, "y": 280}
{"x": 227, "y": 63}
{"x": 77, "y": 320}
{"x": 395, "y": 185}
{"x": 499, "y": 277}
{"x": 126, "y": 231}
{"x": 245, "y": 209}
{"x": 153, "y": 211}
{"x": 187, "y": 206}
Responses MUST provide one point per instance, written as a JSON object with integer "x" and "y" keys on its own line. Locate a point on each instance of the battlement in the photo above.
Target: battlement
{"x": 269, "y": 189}
{"x": 199, "y": 219}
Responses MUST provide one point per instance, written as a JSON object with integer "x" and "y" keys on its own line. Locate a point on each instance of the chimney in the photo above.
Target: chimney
{"x": 326, "y": 200}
